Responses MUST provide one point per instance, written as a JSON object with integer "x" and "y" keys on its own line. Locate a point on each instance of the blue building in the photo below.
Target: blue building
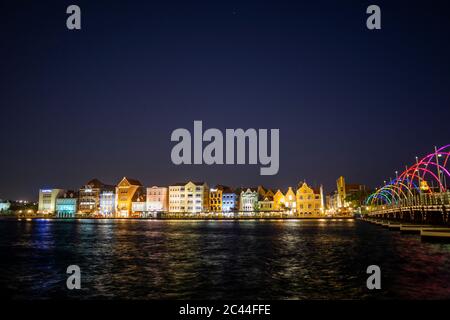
{"x": 66, "y": 206}
{"x": 230, "y": 201}
{"x": 4, "y": 206}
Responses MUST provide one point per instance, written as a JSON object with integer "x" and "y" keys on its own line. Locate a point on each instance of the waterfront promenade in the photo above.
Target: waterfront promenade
{"x": 192, "y": 216}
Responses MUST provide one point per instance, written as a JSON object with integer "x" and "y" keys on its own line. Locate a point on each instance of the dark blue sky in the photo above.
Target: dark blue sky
{"x": 102, "y": 102}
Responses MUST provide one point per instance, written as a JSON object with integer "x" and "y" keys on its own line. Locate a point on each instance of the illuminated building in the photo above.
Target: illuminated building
{"x": 290, "y": 201}
{"x": 248, "y": 200}
{"x": 261, "y": 192}
{"x": 191, "y": 197}
{"x": 269, "y": 193}
{"x": 332, "y": 201}
{"x": 341, "y": 194}
{"x": 66, "y": 205}
{"x": 4, "y": 205}
{"x": 157, "y": 199}
{"x": 89, "y": 196}
{"x": 127, "y": 191}
{"x": 139, "y": 206}
{"x": 215, "y": 199}
{"x": 267, "y": 203}
{"x": 230, "y": 200}
{"x": 346, "y": 191}
{"x": 47, "y": 200}
{"x": 309, "y": 200}
{"x": 278, "y": 201}
{"x": 107, "y": 203}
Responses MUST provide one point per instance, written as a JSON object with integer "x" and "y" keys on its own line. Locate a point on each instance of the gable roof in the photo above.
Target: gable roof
{"x": 95, "y": 183}
{"x": 131, "y": 181}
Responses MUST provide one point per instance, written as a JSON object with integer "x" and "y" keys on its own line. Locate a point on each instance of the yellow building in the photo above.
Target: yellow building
{"x": 290, "y": 201}
{"x": 191, "y": 197}
{"x": 309, "y": 201}
{"x": 127, "y": 191}
{"x": 266, "y": 204}
{"x": 341, "y": 192}
{"x": 278, "y": 201}
{"x": 346, "y": 191}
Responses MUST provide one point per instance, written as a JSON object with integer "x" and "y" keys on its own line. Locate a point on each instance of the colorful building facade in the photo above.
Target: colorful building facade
{"x": 107, "y": 203}
{"x": 139, "y": 206}
{"x": 67, "y": 205}
{"x": 278, "y": 201}
{"x": 4, "y": 205}
{"x": 127, "y": 191}
{"x": 89, "y": 196}
{"x": 190, "y": 197}
{"x": 230, "y": 200}
{"x": 157, "y": 199}
{"x": 345, "y": 192}
{"x": 47, "y": 200}
{"x": 266, "y": 204}
{"x": 290, "y": 201}
{"x": 216, "y": 199}
{"x": 248, "y": 201}
{"x": 309, "y": 200}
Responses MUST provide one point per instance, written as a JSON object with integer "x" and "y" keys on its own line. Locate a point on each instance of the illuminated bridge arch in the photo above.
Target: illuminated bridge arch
{"x": 428, "y": 175}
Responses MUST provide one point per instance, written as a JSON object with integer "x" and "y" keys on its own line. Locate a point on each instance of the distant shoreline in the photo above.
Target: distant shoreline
{"x": 179, "y": 218}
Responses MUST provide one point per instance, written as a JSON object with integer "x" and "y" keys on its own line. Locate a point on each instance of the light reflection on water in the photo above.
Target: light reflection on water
{"x": 269, "y": 259}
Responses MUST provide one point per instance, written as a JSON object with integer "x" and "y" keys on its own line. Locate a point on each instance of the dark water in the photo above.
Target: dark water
{"x": 218, "y": 260}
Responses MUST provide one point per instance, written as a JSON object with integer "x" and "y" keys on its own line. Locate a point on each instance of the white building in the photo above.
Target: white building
{"x": 248, "y": 200}
{"x": 138, "y": 207}
{"x": 107, "y": 203}
{"x": 47, "y": 200}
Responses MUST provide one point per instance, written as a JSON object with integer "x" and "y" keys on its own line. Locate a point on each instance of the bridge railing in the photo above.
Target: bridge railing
{"x": 424, "y": 199}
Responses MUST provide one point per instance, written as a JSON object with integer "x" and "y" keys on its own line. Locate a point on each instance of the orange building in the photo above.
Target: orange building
{"x": 215, "y": 198}
{"x": 127, "y": 191}
{"x": 278, "y": 201}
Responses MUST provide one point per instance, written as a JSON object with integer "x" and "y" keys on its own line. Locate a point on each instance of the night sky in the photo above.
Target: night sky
{"x": 102, "y": 102}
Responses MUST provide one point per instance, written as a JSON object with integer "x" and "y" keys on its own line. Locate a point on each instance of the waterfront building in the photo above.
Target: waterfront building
{"x": 4, "y": 206}
{"x": 107, "y": 203}
{"x": 332, "y": 201}
{"x": 89, "y": 196}
{"x": 67, "y": 205}
{"x": 190, "y": 197}
{"x": 290, "y": 201}
{"x": 127, "y": 191}
{"x": 261, "y": 192}
{"x": 216, "y": 198}
{"x": 309, "y": 200}
{"x": 348, "y": 192}
{"x": 47, "y": 200}
{"x": 267, "y": 203}
{"x": 157, "y": 199}
{"x": 249, "y": 200}
{"x": 269, "y": 193}
{"x": 230, "y": 200}
{"x": 278, "y": 201}
{"x": 139, "y": 206}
